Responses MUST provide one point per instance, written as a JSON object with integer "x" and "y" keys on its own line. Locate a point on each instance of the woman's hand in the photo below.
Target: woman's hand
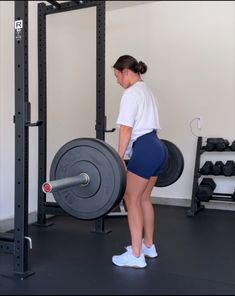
{"x": 124, "y": 163}
{"x": 124, "y": 139}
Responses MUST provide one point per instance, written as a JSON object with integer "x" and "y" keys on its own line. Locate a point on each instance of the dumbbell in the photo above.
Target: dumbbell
{"x": 221, "y": 146}
{"x": 229, "y": 168}
{"x": 206, "y": 169}
{"x": 217, "y": 168}
{"x": 212, "y": 142}
{"x": 205, "y": 189}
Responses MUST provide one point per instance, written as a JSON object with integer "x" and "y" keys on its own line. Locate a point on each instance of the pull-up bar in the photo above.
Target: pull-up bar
{"x": 55, "y": 4}
{"x": 58, "y": 5}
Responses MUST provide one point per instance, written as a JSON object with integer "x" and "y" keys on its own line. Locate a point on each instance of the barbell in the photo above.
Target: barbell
{"x": 88, "y": 178}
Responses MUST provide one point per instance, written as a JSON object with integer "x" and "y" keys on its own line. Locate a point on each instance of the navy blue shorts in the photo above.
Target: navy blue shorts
{"x": 149, "y": 156}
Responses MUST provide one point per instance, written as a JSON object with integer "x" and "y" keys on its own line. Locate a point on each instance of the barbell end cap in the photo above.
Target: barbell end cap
{"x": 46, "y": 187}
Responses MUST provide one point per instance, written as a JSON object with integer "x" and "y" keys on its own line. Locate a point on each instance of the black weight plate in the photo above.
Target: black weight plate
{"x": 174, "y": 166}
{"x": 107, "y": 176}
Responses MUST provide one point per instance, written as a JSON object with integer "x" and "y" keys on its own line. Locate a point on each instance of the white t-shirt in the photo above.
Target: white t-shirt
{"x": 139, "y": 110}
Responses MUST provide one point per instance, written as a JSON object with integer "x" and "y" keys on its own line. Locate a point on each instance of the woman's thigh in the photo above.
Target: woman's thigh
{"x": 136, "y": 186}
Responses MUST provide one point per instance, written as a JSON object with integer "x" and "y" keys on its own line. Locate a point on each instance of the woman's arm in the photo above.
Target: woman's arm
{"x": 124, "y": 139}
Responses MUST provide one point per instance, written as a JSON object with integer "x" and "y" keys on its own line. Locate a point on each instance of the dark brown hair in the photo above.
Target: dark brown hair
{"x": 129, "y": 62}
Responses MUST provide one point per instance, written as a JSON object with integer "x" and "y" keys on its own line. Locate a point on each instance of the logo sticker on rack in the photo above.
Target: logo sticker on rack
{"x": 18, "y": 28}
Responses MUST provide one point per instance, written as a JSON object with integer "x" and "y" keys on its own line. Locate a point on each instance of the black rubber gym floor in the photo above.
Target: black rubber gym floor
{"x": 196, "y": 256}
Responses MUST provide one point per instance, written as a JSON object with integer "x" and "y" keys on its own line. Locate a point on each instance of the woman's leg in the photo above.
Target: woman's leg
{"x": 135, "y": 189}
{"x": 148, "y": 213}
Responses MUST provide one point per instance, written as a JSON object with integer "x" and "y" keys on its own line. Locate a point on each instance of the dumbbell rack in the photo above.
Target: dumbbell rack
{"x": 196, "y": 205}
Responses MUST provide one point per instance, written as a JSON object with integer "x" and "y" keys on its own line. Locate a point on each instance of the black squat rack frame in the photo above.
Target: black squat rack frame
{"x": 18, "y": 242}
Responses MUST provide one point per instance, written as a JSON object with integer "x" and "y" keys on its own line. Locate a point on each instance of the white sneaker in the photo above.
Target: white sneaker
{"x": 127, "y": 259}
{"x": 149, "y": 252}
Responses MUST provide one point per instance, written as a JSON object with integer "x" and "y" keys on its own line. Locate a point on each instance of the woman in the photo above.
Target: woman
{"x": 138, "y": 122}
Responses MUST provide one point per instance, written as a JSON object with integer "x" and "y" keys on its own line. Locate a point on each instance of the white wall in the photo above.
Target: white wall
{"x": 71, "y": 76}
{"x": 189, "y": 48}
